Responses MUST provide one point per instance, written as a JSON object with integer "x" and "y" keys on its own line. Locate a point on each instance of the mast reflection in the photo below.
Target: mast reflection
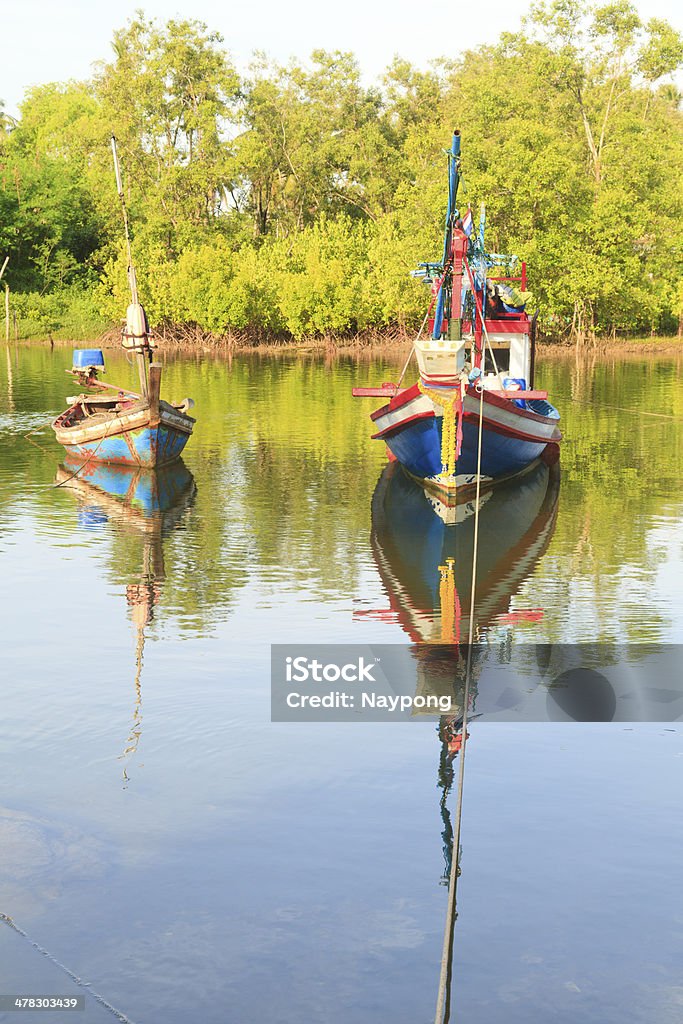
{"x": 142, "y": 507}
{"x": 424, "y": 553}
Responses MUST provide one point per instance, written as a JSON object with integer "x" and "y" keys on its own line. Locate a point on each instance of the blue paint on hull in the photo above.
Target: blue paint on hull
{"x": 148, "y": 491}
{"x": 417, "y": 446}
{"x": 147, "y": 447}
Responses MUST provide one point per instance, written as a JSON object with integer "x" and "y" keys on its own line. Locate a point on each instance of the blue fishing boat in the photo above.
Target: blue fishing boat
{"x": 476, "y": 367}
{"x": 119, "y": 426}
{"x": 116, "y": 425}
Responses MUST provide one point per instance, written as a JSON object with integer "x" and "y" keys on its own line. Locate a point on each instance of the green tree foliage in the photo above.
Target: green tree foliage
{"x": 50, "y": 225}
{"x": 168, "y": 96}
{"x": 314, "y": 142}
{"x": 297, "y": 199}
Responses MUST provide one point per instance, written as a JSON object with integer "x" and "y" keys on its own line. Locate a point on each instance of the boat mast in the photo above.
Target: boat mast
{"x": 454, "y": 252}
{"x": 136, "y": 331}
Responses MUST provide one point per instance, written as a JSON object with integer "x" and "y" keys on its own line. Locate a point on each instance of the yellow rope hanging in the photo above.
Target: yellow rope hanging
{"x": 449, "y": 432}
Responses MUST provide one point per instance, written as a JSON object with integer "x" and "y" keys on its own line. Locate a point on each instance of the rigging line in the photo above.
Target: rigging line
{"x": 62, "y": 967}
{"x": 640, "y": 412}
{"x": 483, "y": 325}
{"x": 443, "y": 999}
{"x": 419, "y": 335}
{"x": 62, "y": 483}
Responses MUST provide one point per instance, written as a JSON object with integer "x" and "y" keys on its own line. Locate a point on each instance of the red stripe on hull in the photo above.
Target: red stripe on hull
{"x": 388, "y": 431}
{"x": 396, "y": 403}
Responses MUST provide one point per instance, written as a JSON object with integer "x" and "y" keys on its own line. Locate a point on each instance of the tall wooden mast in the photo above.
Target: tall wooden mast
{"x": 136, "y": 332}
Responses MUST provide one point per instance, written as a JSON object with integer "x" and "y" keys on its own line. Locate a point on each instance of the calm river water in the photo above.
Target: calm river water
{"x": 193, "y": 861}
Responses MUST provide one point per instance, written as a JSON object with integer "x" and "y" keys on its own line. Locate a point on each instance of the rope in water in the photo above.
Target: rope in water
{"x": 76, "y": 472}
{"x": 443, "y": 998}
{"x": 46, "y": 451}
{"x": 65, "y": 970}
{"x": 641, "y": 412}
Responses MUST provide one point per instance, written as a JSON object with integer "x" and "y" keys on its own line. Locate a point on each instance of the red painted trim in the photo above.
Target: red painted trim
{"x": 404, "y": 423}
{"x": 510, "y": 394}
{"x": 520, "y": 435}
{"x": 522, "y": 615}
{"x": 401, "y": 399}
{"x": 492, "y": 425}
{"x": 459, "y": 252}
{"x": 511, "y": 325}
{"x": 504, "y": 403}
{"x": 385, "y": 391}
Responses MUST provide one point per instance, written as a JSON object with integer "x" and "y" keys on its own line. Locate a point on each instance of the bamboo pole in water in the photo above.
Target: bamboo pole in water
{"x": 2, "y": 271}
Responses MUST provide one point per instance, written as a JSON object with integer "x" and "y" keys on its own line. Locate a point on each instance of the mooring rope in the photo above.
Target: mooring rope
{"x": 76, "y": 472}
{"x": 639, "y": 412}
{"x": 46, "y": 451}
{"x": 443, "y": 998}
{"x": 62, "y": 967}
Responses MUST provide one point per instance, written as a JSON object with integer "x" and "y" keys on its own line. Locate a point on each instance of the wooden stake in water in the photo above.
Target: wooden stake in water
{"x": 2, "y": 271}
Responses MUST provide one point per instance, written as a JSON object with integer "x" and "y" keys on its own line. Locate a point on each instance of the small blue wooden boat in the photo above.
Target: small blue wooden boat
{"x": 119, "y": 426}
{"x": 115, "y": 425}
{"x": 476, "y": 364}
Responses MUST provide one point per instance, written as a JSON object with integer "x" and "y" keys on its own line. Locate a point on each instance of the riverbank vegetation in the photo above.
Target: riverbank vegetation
{"x": 292, "y": 202}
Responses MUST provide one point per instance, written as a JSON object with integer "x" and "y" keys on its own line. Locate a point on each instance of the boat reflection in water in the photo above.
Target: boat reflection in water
{"x": 424, "y": 553}
{"x": 142, "y": 506}
{"x": 426, "y": 568}
{"x": 426, "y": 563}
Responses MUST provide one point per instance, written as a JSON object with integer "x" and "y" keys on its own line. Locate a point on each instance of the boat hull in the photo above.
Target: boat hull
{"x": 127, "y": 440}
{"x": 512, "y": 437}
